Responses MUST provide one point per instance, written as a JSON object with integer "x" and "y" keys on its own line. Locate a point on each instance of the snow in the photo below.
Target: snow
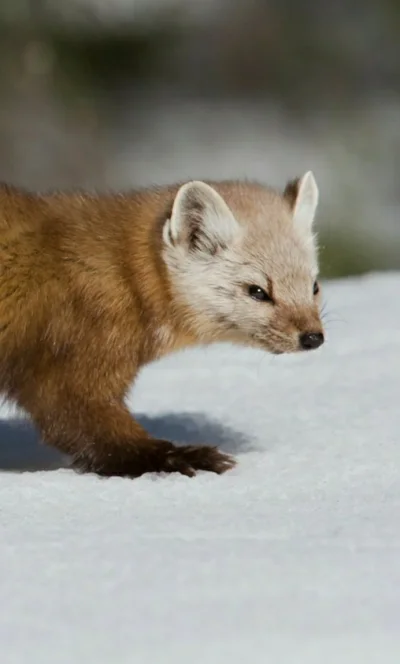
{"x": 292, "y": 557}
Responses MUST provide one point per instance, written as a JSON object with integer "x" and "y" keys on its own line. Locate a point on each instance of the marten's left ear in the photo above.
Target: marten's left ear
{"x": 302, "y": 195}
{"x": 200, "y": 220}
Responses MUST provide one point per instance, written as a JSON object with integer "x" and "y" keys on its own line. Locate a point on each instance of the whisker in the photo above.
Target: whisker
{"x": 326, "y": 319}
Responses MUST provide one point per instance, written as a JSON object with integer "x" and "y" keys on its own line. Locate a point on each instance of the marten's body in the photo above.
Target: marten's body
{"x": 94, "y": 287}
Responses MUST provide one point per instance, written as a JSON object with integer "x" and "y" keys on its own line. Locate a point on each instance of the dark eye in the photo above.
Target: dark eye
{"x": 316, "y": 288}
{"x": 258, "y": 293}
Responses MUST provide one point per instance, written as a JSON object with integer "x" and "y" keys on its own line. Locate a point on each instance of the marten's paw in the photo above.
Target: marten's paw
{"x": 190, "y": 458}
{"x": 132, "y": 459}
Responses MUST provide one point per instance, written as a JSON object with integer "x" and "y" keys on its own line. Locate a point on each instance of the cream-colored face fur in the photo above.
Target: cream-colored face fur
{"x": 242, "y": 260}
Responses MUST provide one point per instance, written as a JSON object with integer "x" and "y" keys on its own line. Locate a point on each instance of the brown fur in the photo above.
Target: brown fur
{"x": 84, "y": 295}
{"x": 291, "y": 191}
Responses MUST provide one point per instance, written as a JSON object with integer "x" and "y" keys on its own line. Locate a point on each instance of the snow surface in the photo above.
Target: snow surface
{"x": 292, "y": 557}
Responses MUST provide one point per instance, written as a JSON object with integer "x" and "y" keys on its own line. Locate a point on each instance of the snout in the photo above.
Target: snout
{"x": 311, "y": 340}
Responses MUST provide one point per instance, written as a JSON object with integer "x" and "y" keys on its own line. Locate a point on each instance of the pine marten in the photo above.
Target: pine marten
{"x": 93, "y": 287}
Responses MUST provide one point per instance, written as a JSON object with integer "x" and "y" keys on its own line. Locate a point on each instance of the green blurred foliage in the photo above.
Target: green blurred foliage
{"x": 102, "y": 62}
{"x": 346, "y": 253}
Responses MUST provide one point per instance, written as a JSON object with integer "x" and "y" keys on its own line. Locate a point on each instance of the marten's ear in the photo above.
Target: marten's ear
{"x": 200, "y": 220}
{"x": 302, "y": 195}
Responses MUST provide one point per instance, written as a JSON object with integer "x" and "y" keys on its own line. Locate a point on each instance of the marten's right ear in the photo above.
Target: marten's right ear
{"x": 200, "y": 220}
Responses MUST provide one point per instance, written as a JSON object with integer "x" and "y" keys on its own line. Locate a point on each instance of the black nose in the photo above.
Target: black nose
{"x": 311, "y": 340}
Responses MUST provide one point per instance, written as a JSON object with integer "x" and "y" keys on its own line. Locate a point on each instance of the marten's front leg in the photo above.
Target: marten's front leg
{"x": 103, "y": 437}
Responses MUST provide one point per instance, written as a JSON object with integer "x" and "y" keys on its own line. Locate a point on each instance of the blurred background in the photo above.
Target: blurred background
{"x": 108, "y": 94}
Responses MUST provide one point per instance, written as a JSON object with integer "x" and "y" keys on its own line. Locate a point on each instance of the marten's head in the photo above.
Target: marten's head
{"x": 242, "y": 260}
